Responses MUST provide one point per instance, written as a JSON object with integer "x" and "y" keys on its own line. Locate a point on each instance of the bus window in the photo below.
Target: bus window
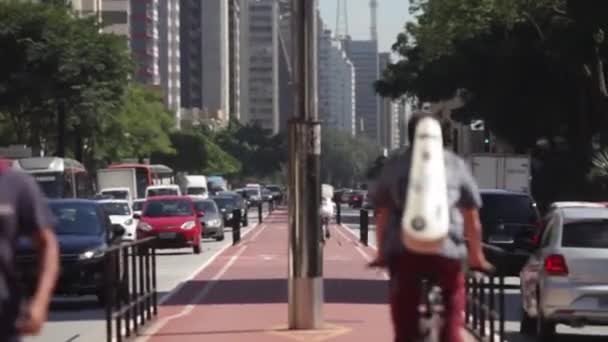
{"x": 141, "y": 177}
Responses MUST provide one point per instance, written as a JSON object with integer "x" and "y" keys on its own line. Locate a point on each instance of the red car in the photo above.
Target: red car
{"x": 173, "y": 220}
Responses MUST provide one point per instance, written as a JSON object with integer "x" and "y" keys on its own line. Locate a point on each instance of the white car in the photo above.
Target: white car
{"x": 120, "y": 213}
{"x": 565, "y": 280}
{"x": 163, "y": 190}
{"x": 138, "y": 206}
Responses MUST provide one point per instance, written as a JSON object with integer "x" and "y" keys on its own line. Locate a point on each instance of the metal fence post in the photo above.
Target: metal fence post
{"x": 338, "y": 213}
{"x": 363, "y": 226}
{"x": 260, "y": 218}
{"x": 236, "y": 226}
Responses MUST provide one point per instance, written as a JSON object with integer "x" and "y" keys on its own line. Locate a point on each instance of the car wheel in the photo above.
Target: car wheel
{"x": 527, "y": 325}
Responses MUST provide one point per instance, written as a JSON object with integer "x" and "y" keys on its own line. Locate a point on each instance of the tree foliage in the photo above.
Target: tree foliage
{"x": 531, "y": 69}
{"x": 345, "y": 159}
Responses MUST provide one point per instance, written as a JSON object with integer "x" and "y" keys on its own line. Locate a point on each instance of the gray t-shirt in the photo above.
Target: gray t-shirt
{"x": 23, "y": 211}
{"x": 390, "y": 191}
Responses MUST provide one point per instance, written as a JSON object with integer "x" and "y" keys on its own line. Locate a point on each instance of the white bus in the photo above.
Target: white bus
{"x": 58, "y": 177}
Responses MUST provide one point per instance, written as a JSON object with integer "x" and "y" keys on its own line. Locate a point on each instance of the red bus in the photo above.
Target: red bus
{"x": 148, "y": 174}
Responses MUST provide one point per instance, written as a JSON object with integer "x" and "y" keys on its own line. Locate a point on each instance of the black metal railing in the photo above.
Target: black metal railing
{"x": 485, "y": 307}
{"x": 130, "y": 288}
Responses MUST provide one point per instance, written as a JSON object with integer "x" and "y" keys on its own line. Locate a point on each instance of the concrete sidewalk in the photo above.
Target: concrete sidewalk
{"x": 242, "y": 294}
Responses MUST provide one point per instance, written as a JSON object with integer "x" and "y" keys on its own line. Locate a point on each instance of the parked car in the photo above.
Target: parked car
{"x": 565, "y": 279}
{"x": 266, "y": 195}
{"x": 367, "y": 203}
{"x": 120, "y": 213}
{"x": 512, "y": 222}
{"x": 173, "y": 220}
{"x": 212, "y": 220}
{"x": 240, "y": 202}
{"x": 84, "y": 233}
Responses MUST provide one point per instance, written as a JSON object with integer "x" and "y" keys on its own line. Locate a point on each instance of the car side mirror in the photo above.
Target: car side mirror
{"x": 118, "y": 230}
{"x": 137, "y": 216}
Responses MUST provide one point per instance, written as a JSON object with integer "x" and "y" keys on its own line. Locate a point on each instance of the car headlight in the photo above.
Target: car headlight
{"x": 91, "y": 254}
{"x": 188, "y": 225}
{"x": 144, "y": 226}
{"x": 128, "y": 222}
{"x": 214, "y": 223}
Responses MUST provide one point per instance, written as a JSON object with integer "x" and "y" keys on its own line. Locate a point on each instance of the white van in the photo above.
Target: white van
{"x": 195, "y": 185}
{"x": 163, "y": 190}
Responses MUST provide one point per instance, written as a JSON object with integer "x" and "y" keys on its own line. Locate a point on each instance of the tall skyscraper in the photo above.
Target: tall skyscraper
{"x": 169, "y": 56}
{"x": 115, "y": 17}
{"x": 234, "y": 48}
{"x": 264, "y": 64}
{"x": 364, "y": 56}
{"x": 144, "y": 38}
{"x": 244, "y": 61}
{"x": 205, "y": 60}
{"x": 388, "y": 113}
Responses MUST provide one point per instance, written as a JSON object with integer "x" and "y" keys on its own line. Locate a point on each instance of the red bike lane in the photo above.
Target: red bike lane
{"x": 242, "y": 294}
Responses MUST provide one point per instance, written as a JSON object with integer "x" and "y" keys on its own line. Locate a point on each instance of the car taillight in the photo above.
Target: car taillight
{"x": 555, "y": 265}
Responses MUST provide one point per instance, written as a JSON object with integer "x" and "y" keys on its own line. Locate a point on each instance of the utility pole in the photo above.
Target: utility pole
{"x": 305, "y": 284}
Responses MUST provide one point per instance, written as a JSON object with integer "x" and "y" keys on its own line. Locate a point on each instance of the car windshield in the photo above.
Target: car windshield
{"x": 168, "y": 208}
{"x": 114, "y": 208}
{"x": 508, "y": 208}
{"x": 118, "y": 194}
{"x": 585, "y": 234}
{"x": 162, "y": 192}
{"x": 137, "y": 206}
{"x": 196, "y": 191}
{"x": 273, "y": 188}
{"x": 224, "y": 202}
{"x": 76, "y": 219}
{"x": 252, "y": 192}
{"x": 208, "y": 207}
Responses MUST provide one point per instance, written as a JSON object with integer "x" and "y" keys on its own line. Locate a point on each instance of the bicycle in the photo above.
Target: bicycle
{"x": 432, "y": 308}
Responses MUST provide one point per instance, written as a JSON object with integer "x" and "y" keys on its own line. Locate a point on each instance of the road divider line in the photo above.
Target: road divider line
{"x": 197, "y": 299}
{"x": 254, "y": 237}
{"x": 360, "y": 250}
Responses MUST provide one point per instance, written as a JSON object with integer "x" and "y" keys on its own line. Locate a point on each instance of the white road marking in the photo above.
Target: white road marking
{"x": 197, "y": 299}
{"x": 360, "y": 250}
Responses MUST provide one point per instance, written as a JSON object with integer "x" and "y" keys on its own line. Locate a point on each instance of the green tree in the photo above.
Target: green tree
{"x": 140, "y": 128}
{"x": 60, "y": 79}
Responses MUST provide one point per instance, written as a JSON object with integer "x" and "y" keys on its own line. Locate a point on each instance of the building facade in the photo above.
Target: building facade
{"x": 263, "y": 75}
{"x": 364, "y": 56}
{"x": 115, "y": 17}
{"x": 169, "y": 55}
{"x": 144, "y": 40}
{"x": 205, "y": 62}
{"x": 234, "y": 50}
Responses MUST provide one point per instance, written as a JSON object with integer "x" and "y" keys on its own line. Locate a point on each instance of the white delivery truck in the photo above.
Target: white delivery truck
{"x": 194, "y": 185}
{"x": 502, "y": 171}
{"x": 117, "y": 178}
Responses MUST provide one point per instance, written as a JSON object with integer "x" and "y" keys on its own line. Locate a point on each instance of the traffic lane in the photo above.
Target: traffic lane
{"x": 81, "y": 319}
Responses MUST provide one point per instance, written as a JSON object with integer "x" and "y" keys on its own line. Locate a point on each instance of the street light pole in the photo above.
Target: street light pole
{"x": 305, "y": 284}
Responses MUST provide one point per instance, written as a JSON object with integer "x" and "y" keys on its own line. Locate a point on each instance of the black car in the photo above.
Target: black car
{"x": 227, "y": 205}
{"x": 512, "y": 222}
{"x": 241, "y": 203}
{"x": 84, "y": 232}
{"x": 277, "y": 193}
{"x": 213, "y": 219}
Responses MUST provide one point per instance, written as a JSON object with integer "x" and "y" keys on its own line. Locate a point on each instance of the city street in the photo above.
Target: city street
{"x": 350, "y": 217}
{"x": 82, "y": 319}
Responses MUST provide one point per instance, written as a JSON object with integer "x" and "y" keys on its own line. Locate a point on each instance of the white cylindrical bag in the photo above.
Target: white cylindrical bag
{"x": 425, "y": 221}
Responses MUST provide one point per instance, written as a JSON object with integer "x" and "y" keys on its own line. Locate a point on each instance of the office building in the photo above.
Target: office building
{"x": 264, "y": 64}
{"x": 244, "y": 61}
{"x": 169, "y": 54}
{"x": 115, "y": 17}
{"x": 205, "y": 61}
{"x": 364, "y": 56}
{"x": 234, "y": 51}
{"x": 388, "y": 113}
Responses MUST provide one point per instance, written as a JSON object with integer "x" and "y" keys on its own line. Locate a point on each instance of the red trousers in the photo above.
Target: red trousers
{"x": 406, "y": 274}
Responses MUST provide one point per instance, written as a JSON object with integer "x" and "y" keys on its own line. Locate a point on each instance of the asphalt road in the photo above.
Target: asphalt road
{"x": 351, "y": 218}
{"x": 81, "y": 319}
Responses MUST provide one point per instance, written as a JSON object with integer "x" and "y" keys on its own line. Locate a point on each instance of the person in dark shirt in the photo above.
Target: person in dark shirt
{"x": 24, "y": 213}
{"x": 406, "y": 267}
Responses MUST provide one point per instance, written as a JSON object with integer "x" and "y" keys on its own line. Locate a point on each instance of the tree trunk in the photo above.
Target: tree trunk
{"x": 61, "y": 129}
{"x": 78, "y": 145}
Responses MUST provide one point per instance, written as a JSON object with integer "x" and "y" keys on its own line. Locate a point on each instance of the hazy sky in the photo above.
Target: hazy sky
{"x": 392, "y": 15}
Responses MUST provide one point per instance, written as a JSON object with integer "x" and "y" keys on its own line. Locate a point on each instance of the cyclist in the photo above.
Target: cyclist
{"x": 24, "y": 212}
{"x": 407, "y": 268}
